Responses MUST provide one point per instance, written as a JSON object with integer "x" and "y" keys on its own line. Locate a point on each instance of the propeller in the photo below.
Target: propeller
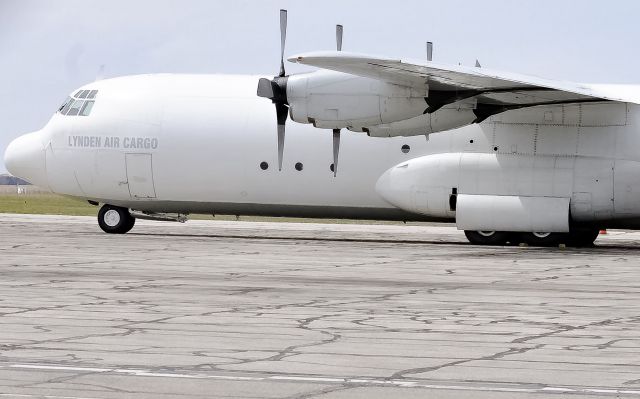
{"x": 339, "y": 37}
{"x": 429, "y": 51}
{"x": 283, "y": 38}
{"x": 276, "y": 90}
{"x": 336, "y": 132}
{"x": 336, "y": 150}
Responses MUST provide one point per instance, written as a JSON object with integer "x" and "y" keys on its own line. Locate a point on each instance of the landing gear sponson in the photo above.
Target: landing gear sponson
{"x": 575, "y": 238}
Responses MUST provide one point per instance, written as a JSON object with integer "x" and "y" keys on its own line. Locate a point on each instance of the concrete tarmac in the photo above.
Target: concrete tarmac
{"x": 282, "y": 310}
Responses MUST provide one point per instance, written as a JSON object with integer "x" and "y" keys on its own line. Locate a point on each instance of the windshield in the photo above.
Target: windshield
{"x": 81, "y": 103}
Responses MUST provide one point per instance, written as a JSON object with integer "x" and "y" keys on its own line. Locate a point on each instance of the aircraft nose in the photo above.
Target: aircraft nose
{"x": 25, "y": 158}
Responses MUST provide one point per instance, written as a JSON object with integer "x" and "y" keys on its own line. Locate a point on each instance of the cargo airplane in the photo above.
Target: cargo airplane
{"x": 508, "y": 158}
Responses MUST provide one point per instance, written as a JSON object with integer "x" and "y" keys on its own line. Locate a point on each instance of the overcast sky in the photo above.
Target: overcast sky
{"x": 48, "y": 48}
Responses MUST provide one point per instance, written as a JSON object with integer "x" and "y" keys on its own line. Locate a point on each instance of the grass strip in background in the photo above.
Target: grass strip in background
{"x": 45, "y": 204}
{"x": 39, "y": 202}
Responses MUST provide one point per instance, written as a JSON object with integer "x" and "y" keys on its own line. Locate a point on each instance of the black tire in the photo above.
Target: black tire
{"x": 545, "y": 239}
{"x": 487, "y": 237}
{"x": 115, "y": 220}
{"x": 583, "y": 237}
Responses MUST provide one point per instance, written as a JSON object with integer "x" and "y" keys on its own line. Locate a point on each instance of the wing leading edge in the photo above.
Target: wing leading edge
{"x": 494, "y": 91}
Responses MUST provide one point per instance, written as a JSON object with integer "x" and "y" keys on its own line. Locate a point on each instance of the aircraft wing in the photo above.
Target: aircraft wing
{"x": 495, "y": 91}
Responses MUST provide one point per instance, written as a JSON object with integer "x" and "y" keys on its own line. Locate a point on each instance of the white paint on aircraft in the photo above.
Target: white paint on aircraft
{"x": 170, "y": 143}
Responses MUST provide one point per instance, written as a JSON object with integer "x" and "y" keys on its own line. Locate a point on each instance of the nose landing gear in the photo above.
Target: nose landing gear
{"x": 115, "y": 219}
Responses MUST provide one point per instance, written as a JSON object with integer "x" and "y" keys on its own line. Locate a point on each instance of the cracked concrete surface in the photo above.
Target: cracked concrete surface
{"x": 275, "y": 310}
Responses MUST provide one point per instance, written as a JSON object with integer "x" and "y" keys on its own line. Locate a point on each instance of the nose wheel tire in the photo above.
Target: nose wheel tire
{"x": 487, "y": 237}
{"x": 115, "y": 220}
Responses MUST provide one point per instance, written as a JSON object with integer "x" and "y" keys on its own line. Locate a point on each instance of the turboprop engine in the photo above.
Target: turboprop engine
{"x": 334, "y": 100}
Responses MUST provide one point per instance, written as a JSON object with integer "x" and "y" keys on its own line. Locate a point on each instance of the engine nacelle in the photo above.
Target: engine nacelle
{"x": 442, "y": 120}
{"x": 335, "y": 100}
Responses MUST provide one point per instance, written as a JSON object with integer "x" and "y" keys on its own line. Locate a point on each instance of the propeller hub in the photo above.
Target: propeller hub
{"x": 280, "y": 89}
{"x": 275, "y": 89}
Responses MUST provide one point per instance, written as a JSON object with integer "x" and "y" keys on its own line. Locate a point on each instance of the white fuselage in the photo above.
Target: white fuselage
{"x": 204, "y": 138}
{"x": 195, "y": 144}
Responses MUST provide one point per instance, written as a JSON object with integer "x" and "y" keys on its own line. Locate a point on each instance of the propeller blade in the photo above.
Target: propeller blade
{"x": 283, "y": 38}
{"x": 339, "y": 37}
{"x": 281, "y": 113}
{"x": 276, "y": 90}
{"x": 281, "y": 130}
{"x": 336, "y": 150}
{"x": 429, "y": 51}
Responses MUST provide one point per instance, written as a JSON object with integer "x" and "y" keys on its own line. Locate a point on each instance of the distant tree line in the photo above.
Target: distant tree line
{"x": 8, "y": 180}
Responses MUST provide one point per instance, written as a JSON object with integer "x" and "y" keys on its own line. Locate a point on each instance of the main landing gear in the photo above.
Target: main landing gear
{"x": 115, "y": 220}
{"x": 488, "y": 237}
{"x": 575, "y": 238}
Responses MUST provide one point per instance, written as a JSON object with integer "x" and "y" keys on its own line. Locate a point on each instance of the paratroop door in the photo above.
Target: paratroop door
{"x": 140, "y": 175}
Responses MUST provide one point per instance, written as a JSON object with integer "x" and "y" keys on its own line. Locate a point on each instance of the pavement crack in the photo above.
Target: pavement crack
{"x": 563, "y": 329}
{"x": 321, "y": 392}
{"x": 304, "y": 325}
{"x": 499, "y": 355}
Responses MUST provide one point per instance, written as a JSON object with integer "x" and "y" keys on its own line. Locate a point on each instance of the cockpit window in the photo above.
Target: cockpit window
{"x": 86, "y": 108}
{"x": 65, "y": 105}
{"x": 77, "y": 106}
